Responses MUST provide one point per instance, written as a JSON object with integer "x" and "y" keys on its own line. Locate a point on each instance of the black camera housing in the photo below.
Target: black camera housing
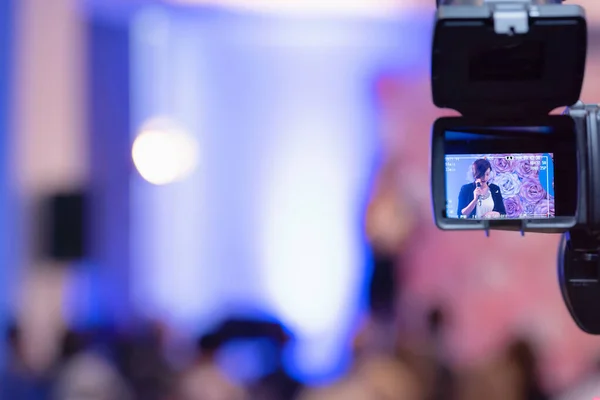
{"x": 579, "y": 278}
{"x": 579, "y": 248}
{"x": 502, "y": 66}
{"x": 505, "y": 66}
{"x": 548, "y": 134}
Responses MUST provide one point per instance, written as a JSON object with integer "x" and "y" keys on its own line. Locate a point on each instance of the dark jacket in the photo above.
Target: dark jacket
{"x": 466, "y": 196}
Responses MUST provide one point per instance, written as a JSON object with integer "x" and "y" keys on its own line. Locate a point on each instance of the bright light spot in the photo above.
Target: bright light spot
{"x": 163, "y": 154}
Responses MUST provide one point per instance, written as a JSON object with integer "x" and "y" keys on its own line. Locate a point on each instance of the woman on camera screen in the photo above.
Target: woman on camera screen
{"x": 480, "y": 199}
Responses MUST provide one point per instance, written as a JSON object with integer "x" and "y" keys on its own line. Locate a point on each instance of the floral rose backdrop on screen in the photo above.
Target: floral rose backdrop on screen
{"x": 509, "y": 183}
{"x": 520, "y": 184}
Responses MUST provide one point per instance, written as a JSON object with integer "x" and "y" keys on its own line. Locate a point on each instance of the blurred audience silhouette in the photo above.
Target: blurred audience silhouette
{"x": 388, "y": 364}
{"x": 19, "y": 380}
{"x": 86, "y": 371}
{"x": 203, "y": 380}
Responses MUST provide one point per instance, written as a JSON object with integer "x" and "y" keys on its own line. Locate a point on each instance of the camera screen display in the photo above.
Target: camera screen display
{"x": 500, "y": 186}
{"x": 502, "y": 174}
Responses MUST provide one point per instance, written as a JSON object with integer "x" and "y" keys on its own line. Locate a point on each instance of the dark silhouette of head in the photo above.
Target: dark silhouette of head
{"x": 436, "y": 320}
{"x": 73, "y": 343}
{"x": 208, "y": 345}
{"x": 13, "y": 335}
{"x": 521, "y": 353}
{"x": 14, "y": 342}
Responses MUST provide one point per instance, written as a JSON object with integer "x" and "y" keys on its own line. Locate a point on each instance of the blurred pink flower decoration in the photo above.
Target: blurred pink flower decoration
{"x": 532, "y": 190}
{"x": 545, "y": 207}
{"x": 509, "y": 183}
{"x": 501, "y": 164}
{"x": 524, "y": 169}
{"x": 513, "y": 207}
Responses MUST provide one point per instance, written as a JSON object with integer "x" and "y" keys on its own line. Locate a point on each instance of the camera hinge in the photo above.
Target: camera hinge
{"x": 511, "y": 17}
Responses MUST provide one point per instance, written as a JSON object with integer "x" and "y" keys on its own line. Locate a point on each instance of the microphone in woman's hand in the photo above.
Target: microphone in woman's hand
{"x": 478, "y": 183}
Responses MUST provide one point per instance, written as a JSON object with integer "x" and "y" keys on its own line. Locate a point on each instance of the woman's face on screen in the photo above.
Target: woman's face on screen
{"x": 485, "y": 178}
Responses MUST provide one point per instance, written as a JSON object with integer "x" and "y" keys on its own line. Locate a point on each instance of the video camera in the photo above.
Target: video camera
{"x": 510, "y": 162}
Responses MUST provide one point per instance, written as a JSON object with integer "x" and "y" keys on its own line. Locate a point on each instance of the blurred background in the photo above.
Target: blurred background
{"x": 229, "y": 199}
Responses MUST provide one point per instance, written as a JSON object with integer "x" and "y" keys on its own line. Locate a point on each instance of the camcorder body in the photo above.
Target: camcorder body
{"x": 510, "y": 161}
